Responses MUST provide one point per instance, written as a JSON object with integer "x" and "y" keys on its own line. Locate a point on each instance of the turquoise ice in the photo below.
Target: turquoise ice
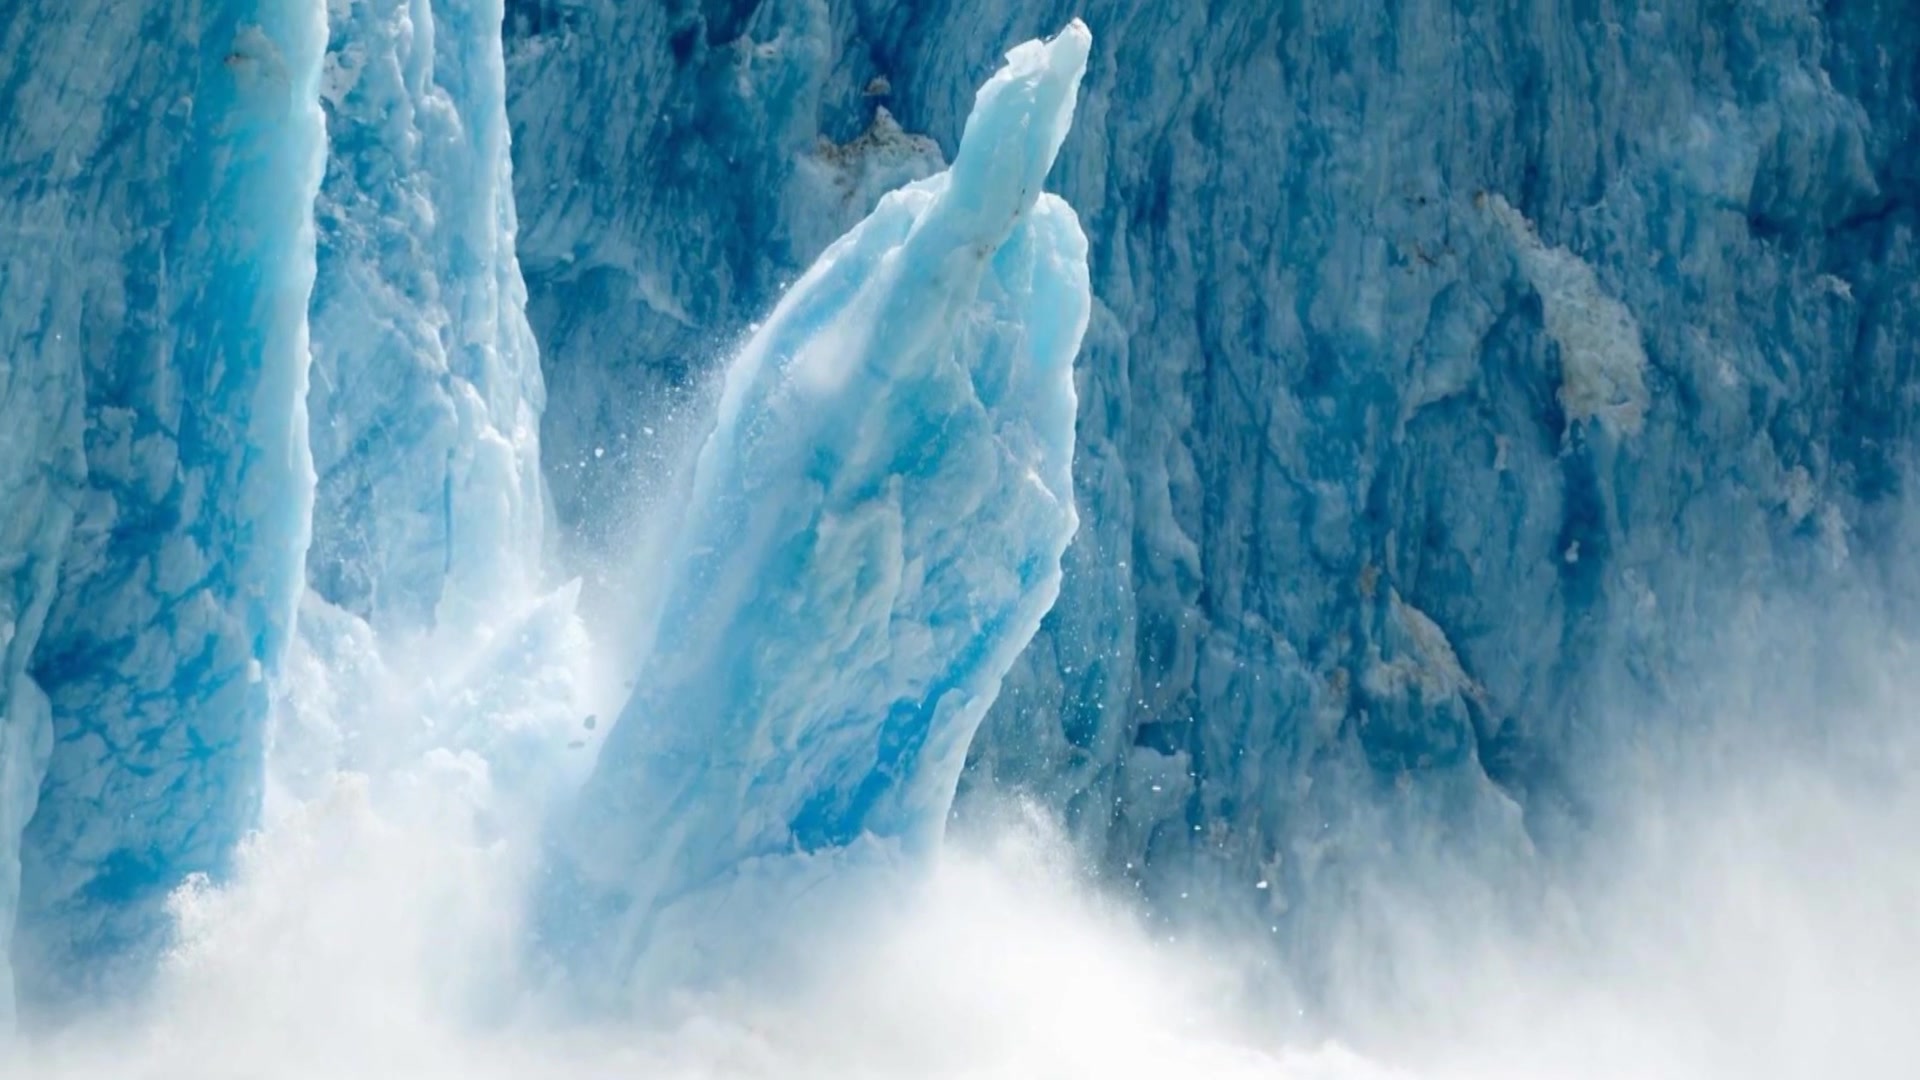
{"x": 873, "y": 533}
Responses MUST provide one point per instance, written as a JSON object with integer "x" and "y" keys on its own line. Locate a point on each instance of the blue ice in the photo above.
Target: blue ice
{"x": 174, "y": 308}
{"x": 872, "y": 534}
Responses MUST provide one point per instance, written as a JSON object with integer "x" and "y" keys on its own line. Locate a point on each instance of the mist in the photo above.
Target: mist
{"x": 1751, "y": 915}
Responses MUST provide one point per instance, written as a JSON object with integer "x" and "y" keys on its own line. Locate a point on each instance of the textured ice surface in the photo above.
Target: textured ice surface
{"x": 1448, "y": 372}
{"x": 426, "y": 388}
{"x": 161, "y": 163}
{"x": 1602, "y": 366}
{"x": 41, "y": 407}
{"x": 40, "y": 471}
{"x": 1342, "y": 424}
{"x": 155, "y": 395}
{"x": 873, "y": 533}
{"x": 646, "y": 282}
{"x": 426, "y": 629}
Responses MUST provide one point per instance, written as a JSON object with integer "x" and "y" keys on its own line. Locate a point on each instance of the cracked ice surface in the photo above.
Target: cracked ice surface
{"x": 873, "y": 533}
{"x": 426, "y": 391}
{"x": 166, "y": 207}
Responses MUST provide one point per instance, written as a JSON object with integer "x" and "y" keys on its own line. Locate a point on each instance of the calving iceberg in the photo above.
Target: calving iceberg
{"x": 1325, "y": 370}
{"x": 873, "y": 533}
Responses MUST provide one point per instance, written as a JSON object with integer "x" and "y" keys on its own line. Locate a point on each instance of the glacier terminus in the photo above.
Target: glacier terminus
{"x": 1330, "y": 538}
{"x": 872, "y": 533}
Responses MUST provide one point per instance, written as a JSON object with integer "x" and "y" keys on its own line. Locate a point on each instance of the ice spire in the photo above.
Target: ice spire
{"x": 873, "y": 534}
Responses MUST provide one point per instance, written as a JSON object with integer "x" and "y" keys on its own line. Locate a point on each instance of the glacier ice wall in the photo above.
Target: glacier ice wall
{"x": 157, "y": 467}
{"x": 426, "y": 389}
{"x": 872, "y": 534}
{"x": 40, "y": 471}
{"x": 1450, "y": 371}
{"x": 1449, "y": 376}
{"x": 160, "y": 168}
{"x": 425, "y": 627}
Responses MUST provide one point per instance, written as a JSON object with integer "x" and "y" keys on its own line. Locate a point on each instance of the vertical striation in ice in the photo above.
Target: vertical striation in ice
{"x": 426, "y": 391}
{"x": 873, "y": 534}
{"x": 41, "y": 401}
{"x": 1335, "y": 408}
{"x": 425, "y": 630}
{"x": 40, "y": 471}
{"x": 40, "y": 459}
{"x": 156, "y": 284}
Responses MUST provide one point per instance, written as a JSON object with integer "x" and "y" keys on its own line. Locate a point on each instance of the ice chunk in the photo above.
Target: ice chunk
{"x": 873, "y": 533}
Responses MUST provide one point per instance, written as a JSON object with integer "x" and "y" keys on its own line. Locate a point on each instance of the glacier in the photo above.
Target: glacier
{"x": 1459, "y": 394}
{"x": 426, "y": 387}
{"x": 325, "y": 191}
{"x": 872, "y": 534}
{"x": 1456, "y": 379}
{"x": 221, "y": 609}
{"x": 160, "y": 254}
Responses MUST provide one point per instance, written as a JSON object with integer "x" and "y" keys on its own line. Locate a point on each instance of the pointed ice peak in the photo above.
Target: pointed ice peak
{"x": 872, "y": 534}
{"x": 1019, "y": 119}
